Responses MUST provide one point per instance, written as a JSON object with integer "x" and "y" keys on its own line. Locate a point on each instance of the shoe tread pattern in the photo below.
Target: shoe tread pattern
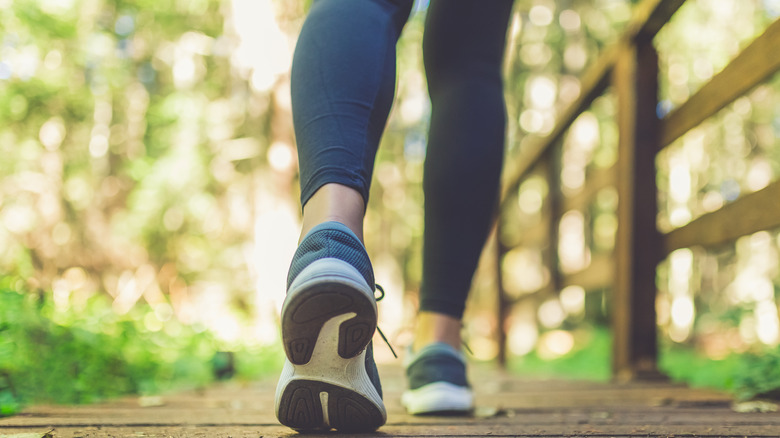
{"x": 300, "y": 408}
{"x": 310, "y": 308}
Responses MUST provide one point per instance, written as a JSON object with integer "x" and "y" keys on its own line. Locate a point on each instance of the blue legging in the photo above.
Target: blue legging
{"x": 343, "y": 84}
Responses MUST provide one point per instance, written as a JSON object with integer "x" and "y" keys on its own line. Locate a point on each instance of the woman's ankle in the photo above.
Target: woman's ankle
{"x": 434, "y": 327}
{"x": 334, "y": 202}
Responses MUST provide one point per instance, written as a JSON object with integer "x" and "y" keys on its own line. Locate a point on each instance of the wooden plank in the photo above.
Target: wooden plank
{"x": 554, "y": 206}
{"x": 650, "y": 16}
{"x": 754, "y": 65}
{"x": 594, "y": 183}
{"x": 536, "y": 235}
{"x": 637, "y": 246}
{"x": 538, "y": 294}
{"x": 507, "y": 405}
{"x": 504, "y": 305}
{"x": 594, "y": 82}
{"x": 751, "y": 213}
{"x": 599, "y": 274}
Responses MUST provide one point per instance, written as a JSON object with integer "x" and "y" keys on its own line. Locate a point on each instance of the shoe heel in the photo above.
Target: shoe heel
{"x": 309, "y": 405}
{"x": 326, "y": 289}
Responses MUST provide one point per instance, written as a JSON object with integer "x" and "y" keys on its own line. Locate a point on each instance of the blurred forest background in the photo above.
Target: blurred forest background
{"x": 149, "y": 197}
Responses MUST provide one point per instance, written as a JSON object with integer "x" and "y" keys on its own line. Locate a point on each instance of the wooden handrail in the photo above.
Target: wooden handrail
{"x": 536, "y": 234}
{"x": 649, "y": 17}
{"x": 755, "y": 64}
{"x": 599, "y": 274}
{"x": 631, "y": 66}
{"x": 594, "y": 82}
{"x": 596, "y": 181}
{"x": 750, "y": 213}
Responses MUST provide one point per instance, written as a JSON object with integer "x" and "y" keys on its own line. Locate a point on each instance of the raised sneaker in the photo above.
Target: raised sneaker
{"x": 330, "y": 380}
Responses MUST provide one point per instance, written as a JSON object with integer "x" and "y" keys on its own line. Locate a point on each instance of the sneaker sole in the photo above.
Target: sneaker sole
{"x": 438, "y": 398}
{"x": 325, "y": 289}
{"x": 328, "y": 319}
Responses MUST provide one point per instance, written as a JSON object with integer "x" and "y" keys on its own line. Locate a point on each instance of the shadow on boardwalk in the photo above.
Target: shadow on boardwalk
{"x": 507, "y": 406}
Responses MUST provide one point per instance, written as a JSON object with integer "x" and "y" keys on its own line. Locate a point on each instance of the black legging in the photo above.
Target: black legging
{"x": 343, "y": 84}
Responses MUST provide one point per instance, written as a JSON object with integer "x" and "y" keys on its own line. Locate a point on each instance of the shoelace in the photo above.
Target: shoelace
{"x": 466, "y": 346}
{"x": 384, "y": 338}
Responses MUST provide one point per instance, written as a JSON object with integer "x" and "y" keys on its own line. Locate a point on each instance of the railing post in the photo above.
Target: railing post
{"x": 504, "y": 304}
{"x": 553, "y": 158}
{"x": 637, "y": 251}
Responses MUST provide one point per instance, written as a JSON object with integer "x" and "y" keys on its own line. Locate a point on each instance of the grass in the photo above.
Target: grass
{"x": 588, "y": 361}
{"x": 95, "y": 354}
{"x": 746, "y": 376}
{"x": 685, "y": 365}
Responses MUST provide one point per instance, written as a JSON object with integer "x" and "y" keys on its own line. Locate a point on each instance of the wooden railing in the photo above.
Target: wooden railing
{"x": 630, "y": 68}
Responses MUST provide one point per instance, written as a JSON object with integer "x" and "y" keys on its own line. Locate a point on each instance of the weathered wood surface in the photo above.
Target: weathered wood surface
{"x": 755, "y": 64}
{"x": 594, "y": 81}
{"x": 508, "y": 406}
{"x": 649, "y": 17}
{"x": 637, "y": 244}
{"x": 597, "y": 180}
{"x": 599, "y": 274}
{"x": 750, "y": 213}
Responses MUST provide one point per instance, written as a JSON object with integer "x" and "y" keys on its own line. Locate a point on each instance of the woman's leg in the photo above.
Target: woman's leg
{"x": 463, "y": 48}
{"x": 343, "y": 84}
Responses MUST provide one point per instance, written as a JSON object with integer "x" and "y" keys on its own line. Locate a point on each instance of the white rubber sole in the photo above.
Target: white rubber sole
{"x": 438, "y": 397}
{"x": 328, "y": 319}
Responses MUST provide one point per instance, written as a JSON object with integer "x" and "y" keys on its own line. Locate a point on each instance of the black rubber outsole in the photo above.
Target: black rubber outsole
{"x": 300, "y": 408}
{"x": 310, "y": 308}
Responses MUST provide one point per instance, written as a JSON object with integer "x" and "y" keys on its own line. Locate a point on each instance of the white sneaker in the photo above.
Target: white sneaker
{"x": 437, "y": 382}
{"x": 329, "y": 379}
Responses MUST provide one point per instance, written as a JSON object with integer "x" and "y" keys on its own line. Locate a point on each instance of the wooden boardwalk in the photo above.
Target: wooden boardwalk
{"x": 507, "y": 406}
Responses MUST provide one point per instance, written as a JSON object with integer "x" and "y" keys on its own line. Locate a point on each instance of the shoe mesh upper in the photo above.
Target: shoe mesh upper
{"x": 335, "y": 240}
{"x": 371, "y": 370}
{"x": 331, "y": 239}
{"x": 437, "y": 362}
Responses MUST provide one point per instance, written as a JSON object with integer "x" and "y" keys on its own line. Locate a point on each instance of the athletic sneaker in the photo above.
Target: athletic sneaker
{"x": 330, "y": 380}
{"x": 437, "y": 382}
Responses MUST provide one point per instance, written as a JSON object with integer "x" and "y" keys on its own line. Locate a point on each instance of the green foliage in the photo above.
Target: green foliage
{"x": 589, "y": 361}
{"x": 747, "y": 375}
{"x": 685, "y": 365}
{"x": 101, "y": 142}
{"x": 93, "y": 354}
{"x": 9, "y": 404}
{"x": 253, "y": 363}
{"x": 758, "y": 375}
